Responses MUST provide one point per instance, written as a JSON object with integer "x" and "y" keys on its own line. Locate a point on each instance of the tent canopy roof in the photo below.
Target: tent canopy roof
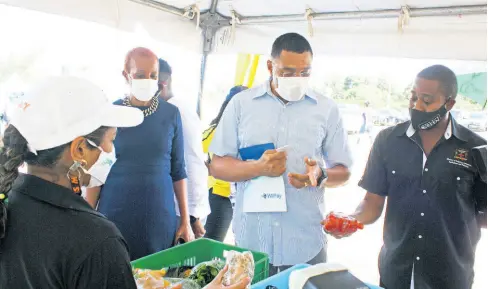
{"x": 443, "y": 29}
{"x": 249, "y": 8}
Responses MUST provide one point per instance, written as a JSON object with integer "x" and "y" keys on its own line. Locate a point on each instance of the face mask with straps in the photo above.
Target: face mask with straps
{"x": 427, "y": 120}
{"x": 98, "y": 171}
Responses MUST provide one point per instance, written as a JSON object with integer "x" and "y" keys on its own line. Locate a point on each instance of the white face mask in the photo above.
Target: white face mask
{"x": 292, "y": 88}
{"x": 144, "y": 89}
{"x": 101, "y": 168}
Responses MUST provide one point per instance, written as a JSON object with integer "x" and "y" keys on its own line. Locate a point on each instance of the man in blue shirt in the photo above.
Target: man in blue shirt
{"x": 283, "y": 112}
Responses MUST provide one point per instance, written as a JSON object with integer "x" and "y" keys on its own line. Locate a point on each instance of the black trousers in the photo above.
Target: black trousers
{"x": 218, "y": 222}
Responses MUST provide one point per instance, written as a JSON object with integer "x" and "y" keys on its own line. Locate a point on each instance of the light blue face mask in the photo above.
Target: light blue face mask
{"x": 101, "y": 168}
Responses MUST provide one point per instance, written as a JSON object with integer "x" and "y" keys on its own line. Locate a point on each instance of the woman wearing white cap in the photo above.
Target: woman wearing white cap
{"x": 49, "y": 236}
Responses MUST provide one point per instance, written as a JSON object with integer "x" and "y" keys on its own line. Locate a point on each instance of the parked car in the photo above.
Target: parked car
{"x": 388, "y": 117}
{"x": 476, "y": 121}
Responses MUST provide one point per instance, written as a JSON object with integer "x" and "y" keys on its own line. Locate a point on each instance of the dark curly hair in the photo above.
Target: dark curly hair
{"x": 292, "y": 42}
{"x": 445, "y": 76}
{"x": 15, "y": 152}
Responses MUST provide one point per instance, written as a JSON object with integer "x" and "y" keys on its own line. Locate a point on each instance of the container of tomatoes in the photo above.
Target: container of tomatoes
{"x": 339, "y": 224}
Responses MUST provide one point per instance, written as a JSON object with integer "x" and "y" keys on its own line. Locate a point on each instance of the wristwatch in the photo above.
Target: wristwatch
{"x": 323, "y": 178}
{"x": 193, "y": 220}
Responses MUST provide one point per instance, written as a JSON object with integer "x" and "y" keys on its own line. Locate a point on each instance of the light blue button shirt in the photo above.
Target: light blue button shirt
{"x": 311, "y": 127}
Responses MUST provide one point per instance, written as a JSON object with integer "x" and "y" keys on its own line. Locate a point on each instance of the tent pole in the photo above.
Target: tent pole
{"x": 164, "y": 7}
{"x": 213, "y": 6}
{"x": 203, "y": 68}
{"x": 210, "y": 22}
{"x": 392, "y": 13}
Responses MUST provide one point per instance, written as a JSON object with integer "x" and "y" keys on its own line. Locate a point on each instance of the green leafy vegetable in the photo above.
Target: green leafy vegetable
{"x": 205, "y": 272}
{"x": 179, "y": 272}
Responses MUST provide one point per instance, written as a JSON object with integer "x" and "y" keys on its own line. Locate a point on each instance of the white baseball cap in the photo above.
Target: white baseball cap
{"x": 60, "y": 109}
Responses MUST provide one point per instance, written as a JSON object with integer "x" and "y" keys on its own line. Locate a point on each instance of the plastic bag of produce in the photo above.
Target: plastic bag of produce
{"x": 240, "y": 266}
{"x": 179, "y": 272}
{"x": 150, "y": 279}
{"x": 141, "y": 273}
{"x": 205, "y": 272}
{"x": 186, "y": 283}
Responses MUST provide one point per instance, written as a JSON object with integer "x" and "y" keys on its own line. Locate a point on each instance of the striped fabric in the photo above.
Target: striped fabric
{"x": 311, "y": 127}
{"x": 218, "y": 187}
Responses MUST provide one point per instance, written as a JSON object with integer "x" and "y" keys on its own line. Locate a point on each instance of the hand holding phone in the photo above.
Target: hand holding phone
{"x": 273, "y": 163}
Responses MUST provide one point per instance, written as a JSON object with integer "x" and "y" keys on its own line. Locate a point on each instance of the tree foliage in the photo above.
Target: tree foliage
{"x": 379, "y": 92}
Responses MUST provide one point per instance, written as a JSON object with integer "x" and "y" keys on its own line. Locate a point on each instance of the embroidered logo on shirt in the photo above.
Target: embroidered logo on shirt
{"x": 460, "y": 158}
{"x": 461, "y": 155}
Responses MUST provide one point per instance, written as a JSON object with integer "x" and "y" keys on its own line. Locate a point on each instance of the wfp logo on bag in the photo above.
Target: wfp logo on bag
{"x": 107, "y": 162}
{"x": 271, "y": 196}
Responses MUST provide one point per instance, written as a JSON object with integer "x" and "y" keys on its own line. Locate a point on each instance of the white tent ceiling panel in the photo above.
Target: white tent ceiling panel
{"x": 279, "y": 7}
{"x": 248, "y": 8}
{"x": 202, "y": 4}
{"x": 457, "y": 37}
{"x": 98, "y": 11}
{"x": 450, "y": 38}
{"x": 124, "y": 15}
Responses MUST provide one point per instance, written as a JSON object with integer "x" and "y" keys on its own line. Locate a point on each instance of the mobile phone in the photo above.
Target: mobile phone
{"x": 284, "y": 149}
{"x": 179, "y": 241}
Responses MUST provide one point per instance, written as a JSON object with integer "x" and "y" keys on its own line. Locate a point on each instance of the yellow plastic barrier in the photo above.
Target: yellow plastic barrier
{"x": 246, "y": 68}
{"x": 252, "y": 70}
{"x": 243, "y": 61}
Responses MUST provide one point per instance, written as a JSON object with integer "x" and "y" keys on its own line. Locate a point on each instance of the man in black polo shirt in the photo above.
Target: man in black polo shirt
{"x": 436, "y": 196}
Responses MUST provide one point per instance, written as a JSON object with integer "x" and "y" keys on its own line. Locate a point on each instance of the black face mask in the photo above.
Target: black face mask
{"x": 427, "y": 120}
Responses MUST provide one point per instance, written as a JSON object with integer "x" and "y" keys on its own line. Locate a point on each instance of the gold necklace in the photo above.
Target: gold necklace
{"x": 148, "y": 111}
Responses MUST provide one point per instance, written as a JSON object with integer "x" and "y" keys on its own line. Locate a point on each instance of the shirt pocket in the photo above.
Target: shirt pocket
{"x": 256, "y": 131}
{"x": 461, "y": 179}
{"x": 307, "y": 139}
{"x": 464, "y": 185}
{"x": 456, "y": 194}
{"x": 402, "y": 182}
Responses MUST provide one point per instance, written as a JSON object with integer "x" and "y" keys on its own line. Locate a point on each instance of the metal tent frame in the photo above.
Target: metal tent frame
{"x": 210, "y": 21}
{"x": 342, "y": 30}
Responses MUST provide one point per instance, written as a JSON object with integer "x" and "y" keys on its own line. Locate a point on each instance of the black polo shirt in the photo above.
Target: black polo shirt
{"x": 55, "y": 240}
{"x": 431, "y": 214}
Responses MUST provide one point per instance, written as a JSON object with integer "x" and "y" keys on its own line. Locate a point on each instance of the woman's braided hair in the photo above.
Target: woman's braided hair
{"x": 15, "y": 152}
{"x": 12, "y": 156}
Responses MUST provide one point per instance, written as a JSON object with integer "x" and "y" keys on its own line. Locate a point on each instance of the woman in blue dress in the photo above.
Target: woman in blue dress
{"x": 138, "y": 195}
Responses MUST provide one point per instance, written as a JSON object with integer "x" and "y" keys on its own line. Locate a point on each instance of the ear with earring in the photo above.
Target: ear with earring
{"x": 74, "y": 175}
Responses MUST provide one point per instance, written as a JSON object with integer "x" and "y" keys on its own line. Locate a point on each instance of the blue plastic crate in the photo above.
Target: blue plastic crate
{"x": 280, "y": 280}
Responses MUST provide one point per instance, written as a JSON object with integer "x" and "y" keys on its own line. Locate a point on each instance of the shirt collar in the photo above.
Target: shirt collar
{"x": 51, "y": 193}
{"x": 447, "y": 134}
{"x": 452, "y": 129}
{"x": 265, "y": 89}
